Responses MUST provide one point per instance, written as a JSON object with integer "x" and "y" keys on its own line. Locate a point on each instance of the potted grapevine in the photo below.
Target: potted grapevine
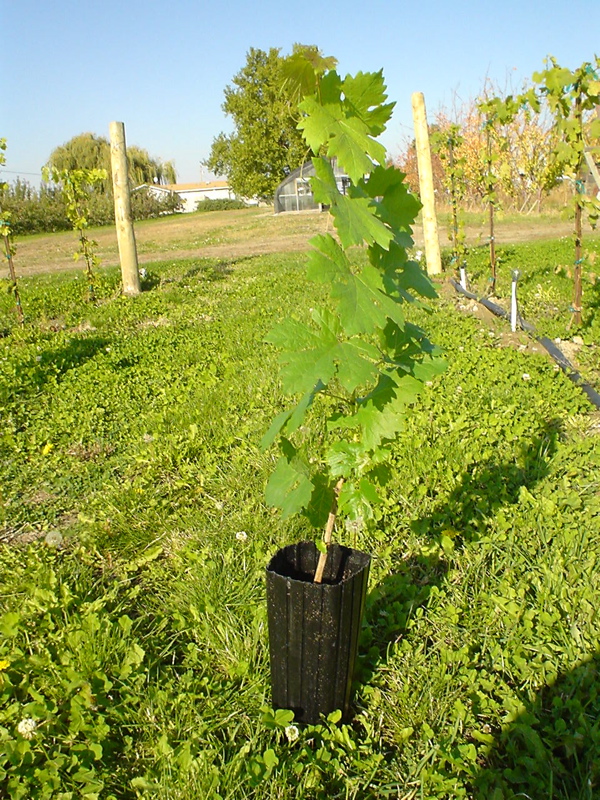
{"x": 356, "y": 366}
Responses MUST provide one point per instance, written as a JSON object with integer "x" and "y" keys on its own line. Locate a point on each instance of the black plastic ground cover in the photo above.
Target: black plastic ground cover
{"x": 546, "y": 343}
{"x": 314, "y": 628}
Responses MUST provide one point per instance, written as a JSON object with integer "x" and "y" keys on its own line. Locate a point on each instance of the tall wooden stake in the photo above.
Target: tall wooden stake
{"x": 430, "y": 229}
{"x": 123, "y": 219}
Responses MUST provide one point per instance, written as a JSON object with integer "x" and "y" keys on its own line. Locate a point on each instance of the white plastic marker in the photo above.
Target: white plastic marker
{"x": 463, "y": 278}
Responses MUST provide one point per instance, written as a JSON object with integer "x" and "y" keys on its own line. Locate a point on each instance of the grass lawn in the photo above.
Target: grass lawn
{"x": 134, "y": 538}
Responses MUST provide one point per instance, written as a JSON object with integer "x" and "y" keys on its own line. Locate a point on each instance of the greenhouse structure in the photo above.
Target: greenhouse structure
{"x": 295, "y": 194}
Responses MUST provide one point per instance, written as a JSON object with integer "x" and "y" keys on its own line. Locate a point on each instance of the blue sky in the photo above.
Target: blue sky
{"x": 161, "y": 67}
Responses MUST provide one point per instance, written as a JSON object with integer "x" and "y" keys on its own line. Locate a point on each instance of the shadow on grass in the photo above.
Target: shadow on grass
{"x": 54, "y": 364}
{"x": 211, "y": 271}
{"x": 552, "y": 749}
{"x": 483, "y": 490}
{"x": 488, "y": 487}
{"x": 207, "y": 270}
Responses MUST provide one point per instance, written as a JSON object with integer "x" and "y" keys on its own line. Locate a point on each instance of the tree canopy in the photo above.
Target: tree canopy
{"x": 266, "y": 144}
{"x": 88, "y": 151}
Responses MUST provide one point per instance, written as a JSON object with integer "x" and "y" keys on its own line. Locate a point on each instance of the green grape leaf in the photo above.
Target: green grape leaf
{"x": 382, "y": 412}
{"x": 365, "y": 94}
{"x": 331, "y": 122}
{"x": 321, "y": 501}
{"x": 357, "y": 499}
{"x": 353, "y": 369}
{"x": 309, "y": 370}
{"x": 327, "y": 261}
{"x": 353, "y": 217}
{"x": 289, "y": 487}
{"x": 356, "y": 224}
{"x": 363, "y": 304}
{"x": 291, "y": 334}
{"x": 291, "y": 419}
{"x": 395, "y": 204}
{"x": 345, "y": 458}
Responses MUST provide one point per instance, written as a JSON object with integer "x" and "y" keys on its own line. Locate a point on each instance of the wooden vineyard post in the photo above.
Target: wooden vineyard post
{"x": 123, "y": 219}
{"x": 430, "y": 229}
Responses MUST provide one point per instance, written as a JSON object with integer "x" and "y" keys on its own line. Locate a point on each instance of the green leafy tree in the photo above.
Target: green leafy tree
{"x": 88, "y": 152}
{"x": 358, "y": 365}
{"x": 6, "y": 233}
{"x": 572, "y": 97}
{"x": 266, "y": 144}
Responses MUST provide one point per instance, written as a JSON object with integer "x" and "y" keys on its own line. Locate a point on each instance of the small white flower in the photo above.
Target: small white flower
{"x": 241, "y": 536}
{"x": 38, "y": 358}
{"x": 526, "y": 376}
{"x": 27, "y": 727}
{"x": 354, "y": 526}
{"x": 418, "y": 255}
{"x": 292, "y": 733}
{"x": 53, "y": 538}
{"x": 459, "y": 390}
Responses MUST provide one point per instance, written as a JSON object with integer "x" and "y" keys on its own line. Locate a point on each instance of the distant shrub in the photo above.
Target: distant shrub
{"x": 42, "y": 210}
{"x": 148, "y": 205}
{"x": 32, "y": 210}
{"x": 223, "y": 204}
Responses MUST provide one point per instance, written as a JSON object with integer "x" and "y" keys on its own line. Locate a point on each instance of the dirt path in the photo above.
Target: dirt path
{"x": 230, "y": 235}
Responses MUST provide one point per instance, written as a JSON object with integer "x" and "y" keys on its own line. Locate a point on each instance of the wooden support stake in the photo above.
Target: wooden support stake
{"x": 123, "y": 219}
{"x": 592, "y": 165}
{"x": 430, "y": 229}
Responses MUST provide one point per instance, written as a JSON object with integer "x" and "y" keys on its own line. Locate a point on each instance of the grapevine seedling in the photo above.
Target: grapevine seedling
{"x": 446, "y": 143}
{"x": 496, "y": 111}
{"x": 9, "y": 248}
{"x": 76, "y": 185}
{"x": 572, "y": 95}
{"x": 358, "y": 365}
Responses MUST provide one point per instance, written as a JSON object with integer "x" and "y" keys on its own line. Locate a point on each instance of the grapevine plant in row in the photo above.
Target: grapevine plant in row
{"x": 356, "y": 365}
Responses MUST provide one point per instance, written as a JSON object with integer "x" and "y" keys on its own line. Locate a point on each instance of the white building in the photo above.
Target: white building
{"x": 192, "y": 193}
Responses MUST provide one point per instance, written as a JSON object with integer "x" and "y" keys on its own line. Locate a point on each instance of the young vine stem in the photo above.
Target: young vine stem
{"x": 13, "y": 278}
{"x": 328, "y": 531}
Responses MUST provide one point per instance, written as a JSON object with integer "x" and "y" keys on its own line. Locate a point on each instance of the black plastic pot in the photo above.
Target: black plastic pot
{"x": 314, "y": 628}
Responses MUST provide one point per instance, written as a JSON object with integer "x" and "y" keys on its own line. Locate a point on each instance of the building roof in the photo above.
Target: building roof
{"x": 190, "y": 187}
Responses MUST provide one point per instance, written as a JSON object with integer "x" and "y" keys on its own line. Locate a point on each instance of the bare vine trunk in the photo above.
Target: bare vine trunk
{"x": 327, "y": 534}
{"x": 13, "y": 278}
{"x": 577, "y": 290}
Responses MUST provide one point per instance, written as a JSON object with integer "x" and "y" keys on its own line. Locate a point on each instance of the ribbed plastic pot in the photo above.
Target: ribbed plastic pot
{"x": 314, "y": 628}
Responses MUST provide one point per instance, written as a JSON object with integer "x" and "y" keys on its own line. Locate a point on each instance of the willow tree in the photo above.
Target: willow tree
{"x": 87, "y": 151}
